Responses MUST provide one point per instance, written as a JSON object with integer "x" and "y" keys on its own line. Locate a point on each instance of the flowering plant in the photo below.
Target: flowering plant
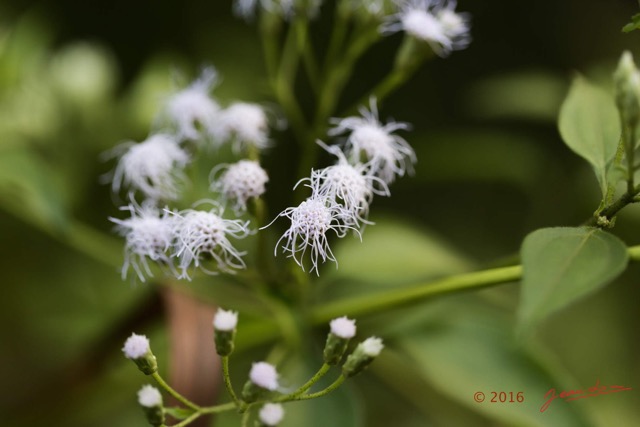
{"x": 255, "y": 210}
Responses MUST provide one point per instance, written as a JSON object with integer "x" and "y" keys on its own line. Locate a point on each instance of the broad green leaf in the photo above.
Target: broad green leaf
{"x": 589, "y": 125}
{"x": 562, "y": 265}
{"x": 470, "y": 348}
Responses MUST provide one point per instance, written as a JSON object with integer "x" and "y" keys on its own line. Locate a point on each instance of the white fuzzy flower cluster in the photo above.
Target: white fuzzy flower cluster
{"x": 433, "y": 21}
{"x": 371, "y": 158}
{"x": 179, "y": 241}
{"x": 155, "y": 167}
{"x": 155, "y": 170}
{"x": 149, "y": 396}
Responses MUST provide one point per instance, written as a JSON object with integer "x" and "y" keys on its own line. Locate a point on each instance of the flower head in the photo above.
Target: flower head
{"x": 136, "y": 346}
{"x": 351, "y": 185}
{"x": 148, "y": 237}
{"x": 388, "y": 155}
{"x": 271, "y": 414}
{"x": 153, "y": 167}
{"x": 372, "y": 346}
{"x": 264, "y": 375}
{"x": 205, "y": 234}
{"x": 310, "y": 223}
{"x": 243, "y": 123}
{"x": 192, "y": 106}
{"x": 149, "y": 396}
{"x": 343, "y": 327}
{"x": 225, "y": 320}
{"x": 432, "y": 21}
{"x": 240, "y": 182}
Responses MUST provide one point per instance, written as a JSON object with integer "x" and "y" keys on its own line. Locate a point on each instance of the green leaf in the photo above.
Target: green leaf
{"x": 561, "y": 265}
{"x": 589, "y": 125}
{"x": 179, "y": 413}
{"x": 633, "y": 25}
{"x": 469, "y": 348}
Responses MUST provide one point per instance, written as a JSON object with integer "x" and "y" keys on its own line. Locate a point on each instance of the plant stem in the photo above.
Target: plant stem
{"x": 180, "y": 398}
{"x": 306, "y": 386}
{"x": 333, "y": 386}
{"x": 382, "y": 301}
{"x": 227, "y": 380}
{"x": 604, "y": 216}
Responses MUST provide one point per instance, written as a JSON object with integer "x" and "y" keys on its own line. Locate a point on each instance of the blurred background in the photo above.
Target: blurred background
{"x": 77, "y": 78}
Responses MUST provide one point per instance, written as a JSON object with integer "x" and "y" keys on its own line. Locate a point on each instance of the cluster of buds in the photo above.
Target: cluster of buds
{"x": 263, "y": 385}
{"x": 180, "y": 240}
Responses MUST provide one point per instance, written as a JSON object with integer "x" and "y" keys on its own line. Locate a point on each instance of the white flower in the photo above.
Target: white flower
{"x": 353, "y": 186}
{"x": 192, "y": 106}
{"x": 202, "y": 235}
{"x": 153, "y": 166}
{"x": 264, "y": 375}
{"x": 285, "y": 8}
{"x": 310, "y": 222}
{"x": 433, "y": 21}
{"x": 387, "y": 154}
{"x": 372, "y": 346}
{"x": 343, "y": 327}
{"x": 225, "y": 320}
{"x": 243, "y": 123}
{"x": 136, "y": 346}
{"x": 149, "y": 396}
{"x": 148, "y": 237}
{"x": 240, "y": 182}
{"x": 271, "y": 414}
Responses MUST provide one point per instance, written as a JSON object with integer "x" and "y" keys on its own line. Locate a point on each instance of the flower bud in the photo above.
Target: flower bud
{"x": 342, "y": 330}
{"x": 362, "y": 356}
{"x": 271, "y": 414}
{"x": 151, "y": 401}
{"x": 137, "y": 349}
{"x": 627, "y": 81}
{"x": 263, "y": 378}
{"x": 224, "y": 324}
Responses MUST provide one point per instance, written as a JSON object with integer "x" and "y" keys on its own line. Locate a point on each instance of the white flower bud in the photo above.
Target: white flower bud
{"x": 264, "y": 375}
{"x": 225, "y": 320}
{"x": 149, "y": 396}
{"x": 271, "y": 414}
{"x": 343, "y": 327}
{"x": 372, "y": 346}
{"x": 136, "y": 346}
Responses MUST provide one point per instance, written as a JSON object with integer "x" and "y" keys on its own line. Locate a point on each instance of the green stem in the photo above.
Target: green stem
{"x": 603, "y": 217}
{"x": 306, "y": 386}
{"x": 245, "y": 419}
{"x": 227, "y": 380}
{"x": 180, "y": 398}
{"x": 382, "y": 301}
{"x": 333, "y": 386}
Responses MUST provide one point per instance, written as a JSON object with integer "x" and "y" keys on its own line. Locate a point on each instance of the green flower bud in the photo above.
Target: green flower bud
{"x": 224, "y": 323}
{"x": 362, "y": 356}
{"x": 342, "y": 330}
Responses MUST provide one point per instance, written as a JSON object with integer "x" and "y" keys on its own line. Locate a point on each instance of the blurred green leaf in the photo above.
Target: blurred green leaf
{"x": 470, "y": 349}
{"x": 179, "y": 413}
{"x": 562, "y": 265}
{"x": 590, "y": 126}
{"x": 633, "y": 25}
{"x": 28, "y": 189}
{"x": 531, "y": 95}
{"x": 391, "y": 253}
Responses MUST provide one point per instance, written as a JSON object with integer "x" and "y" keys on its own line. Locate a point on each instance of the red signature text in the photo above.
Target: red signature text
{"x": 569, "y": 395}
